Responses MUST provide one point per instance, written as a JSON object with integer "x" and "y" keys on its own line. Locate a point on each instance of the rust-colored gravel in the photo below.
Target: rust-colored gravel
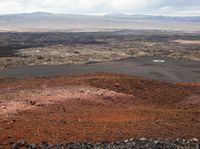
{"x": 96, "y": 107}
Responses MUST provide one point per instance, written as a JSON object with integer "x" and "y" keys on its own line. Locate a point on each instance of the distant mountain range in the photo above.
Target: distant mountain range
{"x": 157, "y": 18}
{"x": 41, "y": 21}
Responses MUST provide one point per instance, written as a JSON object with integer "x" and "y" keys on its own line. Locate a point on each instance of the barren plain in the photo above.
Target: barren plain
{"x": 47, "y": 103}
{"x": 22, "y": 49}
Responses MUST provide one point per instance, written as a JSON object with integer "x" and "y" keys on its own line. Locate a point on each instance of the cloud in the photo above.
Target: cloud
{"x": 156, "y": 7}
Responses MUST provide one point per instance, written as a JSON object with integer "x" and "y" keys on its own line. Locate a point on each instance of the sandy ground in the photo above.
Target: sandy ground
{"x": 96, "y": 107}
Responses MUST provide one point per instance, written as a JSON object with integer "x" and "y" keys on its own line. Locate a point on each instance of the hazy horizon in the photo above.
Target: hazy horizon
{"x": 103, "y": 7}
{"x": 99, "y": 15}
{"x": 107, "y": 14}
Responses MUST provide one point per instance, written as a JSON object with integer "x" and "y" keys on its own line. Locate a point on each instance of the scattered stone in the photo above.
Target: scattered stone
{"x": 194, "y": 139}
{"x": 142, "y": 139}
{"x": 40, "y": 105}
{"x": 32, "y": 102}
{"x": 117, "y": 85}
{"x": 126, "y": 144}
{"x": 33, "y": 146}
{"x": 15, "y": 146}
{"x": 3, "y": 107}
{"x": 21, "y": 143}
{"x": 81, "y": 91}
{"x": 1, "y": 78}
{"x": 64, "y": 109}
{"x": 45, "y": 143}
{"x": 40, "y": 57}
{"x": 49, "y": 94}
{"x": 77, "y": 52}
{"x": 11, "y": 142}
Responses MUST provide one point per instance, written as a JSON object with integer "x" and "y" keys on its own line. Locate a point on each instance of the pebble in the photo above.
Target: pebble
{"x": 195, "y": 140}
{"x": 33, "y": 146}
{"x": 32, "y": 102}
{"x": 3, "y": 107}
{"x": 117, "y": 84}
{"x": 142, "y": 139}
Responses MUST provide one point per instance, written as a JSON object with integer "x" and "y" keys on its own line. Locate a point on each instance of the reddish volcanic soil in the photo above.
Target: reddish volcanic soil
{"x": 96, "y": 107}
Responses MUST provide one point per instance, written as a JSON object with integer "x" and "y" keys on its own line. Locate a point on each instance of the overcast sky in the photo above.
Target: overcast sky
{"x": 99, "y": 7}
